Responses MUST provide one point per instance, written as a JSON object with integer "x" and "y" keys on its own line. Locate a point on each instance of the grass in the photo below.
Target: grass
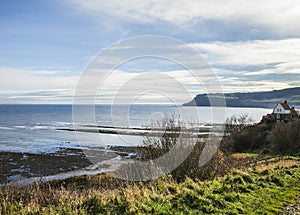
{"x": 244, "y": 155}
{"x": 251, "y": 190}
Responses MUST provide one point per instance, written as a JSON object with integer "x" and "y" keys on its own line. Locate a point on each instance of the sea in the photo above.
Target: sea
{"x": 47, "y": 129}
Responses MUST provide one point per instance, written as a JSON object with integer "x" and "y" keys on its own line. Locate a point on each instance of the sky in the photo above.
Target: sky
{"x": 47, "y": 45}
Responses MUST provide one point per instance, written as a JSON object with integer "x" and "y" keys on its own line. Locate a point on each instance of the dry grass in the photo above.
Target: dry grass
{"x": 276, "y": 163}
{"x": 238, "y": 192}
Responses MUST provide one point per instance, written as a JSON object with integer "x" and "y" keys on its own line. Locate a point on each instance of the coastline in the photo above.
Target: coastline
{"x": 26, "y": 168}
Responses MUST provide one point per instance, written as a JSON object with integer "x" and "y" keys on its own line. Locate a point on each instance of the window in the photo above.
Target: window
{"x": 278, "y": 116}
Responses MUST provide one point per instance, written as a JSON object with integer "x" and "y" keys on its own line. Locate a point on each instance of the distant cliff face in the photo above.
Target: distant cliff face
{"x": 254, "y": 99}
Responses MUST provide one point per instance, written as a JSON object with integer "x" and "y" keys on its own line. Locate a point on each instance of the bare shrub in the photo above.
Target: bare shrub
{"x": 156, "y": 147}
{"x": 216, "y": 166}
{"x": 237, "y": 122}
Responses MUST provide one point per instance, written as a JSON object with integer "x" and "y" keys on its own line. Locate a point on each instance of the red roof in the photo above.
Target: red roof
{"x": 268, "y": 116}
{"x": 285, "y": 106}
{"x": 294, "y": 113}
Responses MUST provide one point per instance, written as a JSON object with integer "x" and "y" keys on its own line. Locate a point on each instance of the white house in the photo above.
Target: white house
{"x": 283, "y": 112}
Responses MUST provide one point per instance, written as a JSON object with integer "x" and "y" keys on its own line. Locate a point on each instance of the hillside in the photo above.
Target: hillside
{"x": 258, "y": 185}
{"x": 252, "y": 99}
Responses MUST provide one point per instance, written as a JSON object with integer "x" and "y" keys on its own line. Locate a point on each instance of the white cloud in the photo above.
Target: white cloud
{"x": 121, "y": 86}
{"x": 43, "y": 85}
{"x": 250, "y": 53}
{"x": 288, "y": 68}
{"x": 281, "y": 16}
{"x": 254, "y": 65}
{"x": 233, "y": 84}
{"x": 240, "y": 66}
{"x": 24, "y": 80}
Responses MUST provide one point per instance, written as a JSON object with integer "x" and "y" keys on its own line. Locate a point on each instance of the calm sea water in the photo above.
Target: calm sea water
{"x": 33, "y": 128}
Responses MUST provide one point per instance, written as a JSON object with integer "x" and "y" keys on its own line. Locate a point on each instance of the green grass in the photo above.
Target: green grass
{"x": 254, "y": 191}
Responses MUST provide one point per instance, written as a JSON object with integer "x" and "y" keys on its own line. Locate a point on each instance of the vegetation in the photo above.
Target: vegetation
{"x": 248, "y": 139}
{"x": 268, "y": 185}
{"x": 285, "y": 138}
{"x": 236, "y": 123}
{"x": 277, "y": 139}
{"x": 156, "y": 147}
{"x": 238, "y": 183}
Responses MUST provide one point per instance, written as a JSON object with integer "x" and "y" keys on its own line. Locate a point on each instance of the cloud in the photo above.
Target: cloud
{"x": 16, "y": 80}
{"x": 50, "y": 96}
{"x": 250, "y": 53}
{"x": 241, "y": 66}
{"x": 123, "y": 87}
{"x": 42, "y": 86}
{"x": 288, "y": 68}
{"x": 280, "y": 17}
{"x": 254, "y": 65}
{"x": 258, "y": 57}
{"x": 19, "y": 85}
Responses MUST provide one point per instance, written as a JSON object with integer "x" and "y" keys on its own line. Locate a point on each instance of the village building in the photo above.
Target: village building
{"x": 282, "y": 113}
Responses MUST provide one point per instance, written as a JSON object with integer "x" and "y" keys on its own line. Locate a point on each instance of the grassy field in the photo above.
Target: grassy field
{"x": 256, "y": 185}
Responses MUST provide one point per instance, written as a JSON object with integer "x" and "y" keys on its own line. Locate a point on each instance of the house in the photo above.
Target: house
{"x": 282, "y": 112}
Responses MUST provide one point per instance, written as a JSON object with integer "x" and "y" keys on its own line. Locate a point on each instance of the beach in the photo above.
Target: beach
{"x": 26, "y": 168}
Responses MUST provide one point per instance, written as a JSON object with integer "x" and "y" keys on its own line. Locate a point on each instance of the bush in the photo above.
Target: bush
{"x": 157, "y": 147}
{"x": 282, "y": 138}
{"x": 217, "y": 165}
{"x": 242, "y": 136}
{"x": 285, "y": 138}
{"x": 250, "y": 138}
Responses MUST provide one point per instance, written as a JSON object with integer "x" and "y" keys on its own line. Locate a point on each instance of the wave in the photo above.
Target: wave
{"x": 41, "y": 126}
{"x": 7, "y": 128}
{"x": 38, "y": 147}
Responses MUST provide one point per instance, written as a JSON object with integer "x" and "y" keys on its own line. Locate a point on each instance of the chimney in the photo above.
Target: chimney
{"x": 285, "y": 101}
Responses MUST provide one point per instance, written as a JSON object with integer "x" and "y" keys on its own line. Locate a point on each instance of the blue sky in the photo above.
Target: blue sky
{"x": 45, "y": 45}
